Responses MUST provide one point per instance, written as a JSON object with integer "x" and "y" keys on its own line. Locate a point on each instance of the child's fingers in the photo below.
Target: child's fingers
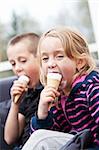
{"x": 17, "y": 83}
{"x": 53, "y": 90}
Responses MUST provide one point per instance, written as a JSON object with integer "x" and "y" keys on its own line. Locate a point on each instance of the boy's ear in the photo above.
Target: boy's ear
{"x": 80, "y": 63}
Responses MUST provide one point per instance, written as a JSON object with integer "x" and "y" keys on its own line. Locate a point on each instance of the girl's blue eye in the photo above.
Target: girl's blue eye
{"x": 59, "y": 56}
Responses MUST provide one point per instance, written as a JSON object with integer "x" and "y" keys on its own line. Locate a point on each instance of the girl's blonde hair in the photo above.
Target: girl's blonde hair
{"x": 75, "y": 47}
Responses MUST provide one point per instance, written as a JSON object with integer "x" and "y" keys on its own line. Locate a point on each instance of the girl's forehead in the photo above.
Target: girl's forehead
{"x": 50, "y": 43}
{"x": 50, "y": 39}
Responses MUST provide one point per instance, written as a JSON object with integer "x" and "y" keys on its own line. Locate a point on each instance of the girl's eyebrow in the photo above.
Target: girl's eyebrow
{"x": 59, "y": 51}
{"x": 56, "y": 51}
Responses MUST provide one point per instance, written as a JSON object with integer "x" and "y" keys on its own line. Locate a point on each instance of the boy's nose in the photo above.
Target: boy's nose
{"x": 18, "y": 68}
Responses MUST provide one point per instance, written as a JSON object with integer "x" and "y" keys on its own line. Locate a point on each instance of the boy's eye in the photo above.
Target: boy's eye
{"x": 23, "y": 60}
{"x": 12, "y": 63}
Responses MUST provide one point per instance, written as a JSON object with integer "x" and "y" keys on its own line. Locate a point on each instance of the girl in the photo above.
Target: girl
{"x": 65, "y": 51}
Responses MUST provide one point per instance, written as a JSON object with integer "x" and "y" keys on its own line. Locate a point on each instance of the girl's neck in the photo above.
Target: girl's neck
{"x": 67, "y": 90}
{"x": 77, "y": 79}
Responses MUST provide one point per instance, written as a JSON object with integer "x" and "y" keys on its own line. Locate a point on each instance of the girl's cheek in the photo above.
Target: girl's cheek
{"x": 44, "y": 72}
{"x": 44, "y": 68}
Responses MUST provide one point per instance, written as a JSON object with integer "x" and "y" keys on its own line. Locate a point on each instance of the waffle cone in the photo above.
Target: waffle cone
{"x": 24, "y": 80}
{"x": 16, "y": 98}
{"x": 53, "y": 80}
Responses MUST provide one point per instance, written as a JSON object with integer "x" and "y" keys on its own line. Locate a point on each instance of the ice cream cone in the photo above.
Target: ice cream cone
{"x": 24, "y": 80}
{"x": 53, "y": 80}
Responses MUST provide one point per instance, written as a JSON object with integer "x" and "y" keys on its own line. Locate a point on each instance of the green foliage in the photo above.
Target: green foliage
{"x": 22, "y": 23}
{"x": 19, "y": 24}
{"x": 2, "y": 42}
{"x": 76, "y": 16}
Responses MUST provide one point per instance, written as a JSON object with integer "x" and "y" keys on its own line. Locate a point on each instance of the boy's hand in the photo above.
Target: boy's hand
{"x": 47, "y": 96}
{"x": 17, "y": 89}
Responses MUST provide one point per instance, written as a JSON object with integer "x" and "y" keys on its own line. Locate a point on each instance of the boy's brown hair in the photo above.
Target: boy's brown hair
{"x": 31, "y": 39}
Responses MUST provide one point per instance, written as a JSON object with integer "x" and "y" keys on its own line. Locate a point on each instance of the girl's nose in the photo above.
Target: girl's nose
{"x": 52, "y": 63}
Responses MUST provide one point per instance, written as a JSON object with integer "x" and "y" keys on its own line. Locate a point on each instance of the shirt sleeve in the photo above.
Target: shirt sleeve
{"x": 41, "y": 124}
{"x": 55, "y": 121}
{"x": 93, "y": 96}
{"x": 22, "y": 108}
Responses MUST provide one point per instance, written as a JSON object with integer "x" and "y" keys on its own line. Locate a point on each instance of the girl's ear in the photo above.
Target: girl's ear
{"x": 80, "y": 63}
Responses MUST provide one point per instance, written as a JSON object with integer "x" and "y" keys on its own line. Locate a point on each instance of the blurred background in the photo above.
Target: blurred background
{"x": 19, "y": 16}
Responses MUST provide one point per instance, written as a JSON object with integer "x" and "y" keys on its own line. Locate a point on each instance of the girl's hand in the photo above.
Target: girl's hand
{"x": 17, "y": 89}
{"x": 47, "y": 96}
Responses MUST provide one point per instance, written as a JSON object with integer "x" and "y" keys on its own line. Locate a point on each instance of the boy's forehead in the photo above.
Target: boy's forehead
{"x": 20, "y": 45}
{"x": 18, "y": 48}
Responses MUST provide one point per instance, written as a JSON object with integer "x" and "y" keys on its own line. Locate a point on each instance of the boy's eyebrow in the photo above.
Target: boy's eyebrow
{"x": 11, "y": 60}
{"x": 21, "y": 57}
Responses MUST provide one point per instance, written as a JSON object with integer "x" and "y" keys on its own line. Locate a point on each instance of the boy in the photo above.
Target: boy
{"x": 22, "y": 54}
